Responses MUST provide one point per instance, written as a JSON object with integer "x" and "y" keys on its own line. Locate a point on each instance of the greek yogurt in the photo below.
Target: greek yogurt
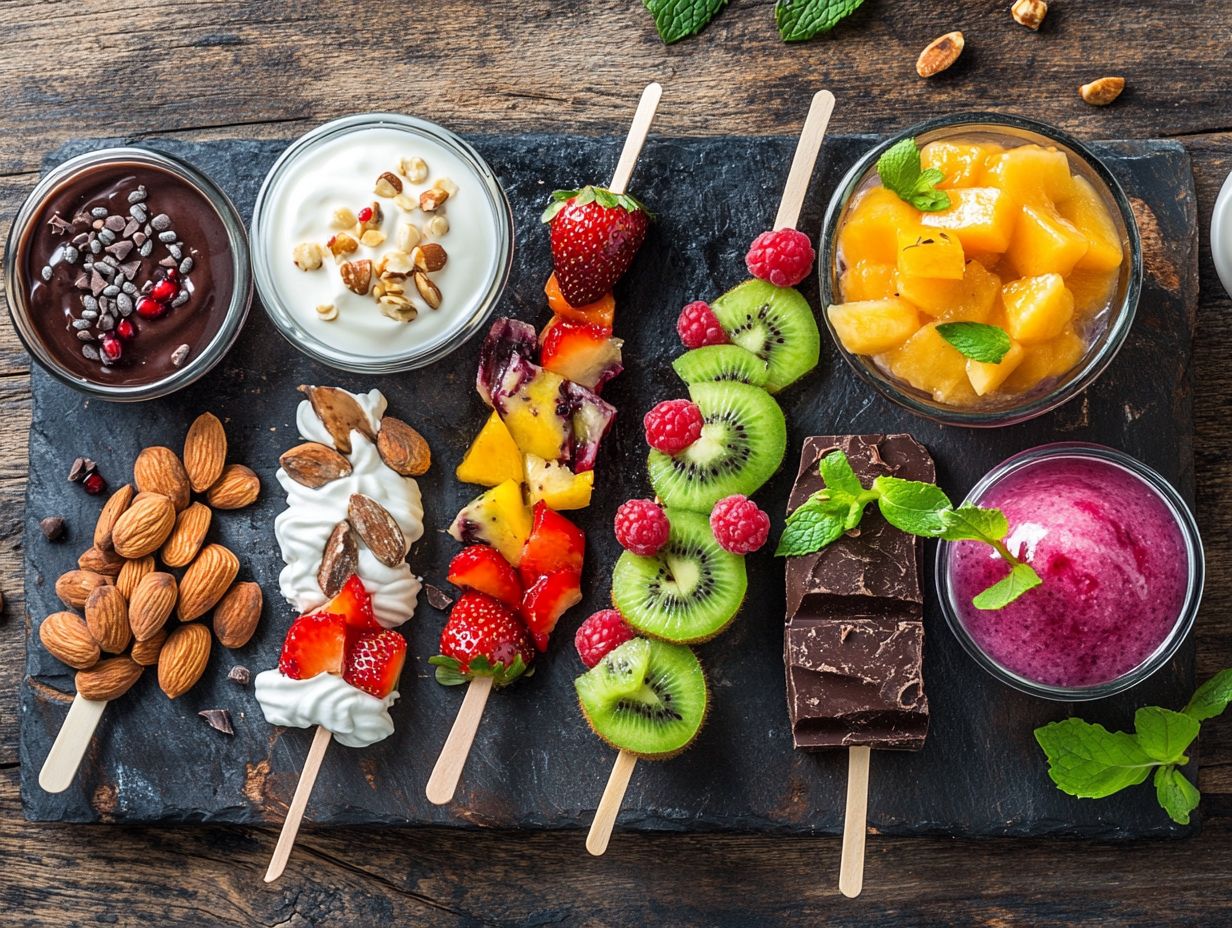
{"x": 355, "y": 718}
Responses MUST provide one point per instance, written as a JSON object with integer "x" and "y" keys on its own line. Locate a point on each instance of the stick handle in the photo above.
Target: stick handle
{"x": 609, "y": 805}
{"x": 638, "y": 130}
{"x": 295, "y": 812}
{"x": 855, "y": 824}
{"x": 806, "y": 156}
{"x": 448, "y": 770}
{"x": 71, "y": 742}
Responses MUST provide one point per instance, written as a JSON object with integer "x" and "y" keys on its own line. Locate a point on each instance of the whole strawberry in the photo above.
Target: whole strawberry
{"x": 595, "y": 234}
{"x": 483, "y": 638}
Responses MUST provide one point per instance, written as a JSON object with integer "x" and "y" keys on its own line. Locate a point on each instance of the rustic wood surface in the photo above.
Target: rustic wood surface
{"x": 207, "y": 68}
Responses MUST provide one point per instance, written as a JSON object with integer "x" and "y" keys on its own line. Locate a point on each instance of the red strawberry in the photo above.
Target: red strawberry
{"x": 375, "y": 662}
{"x": 482, "y": 568}
{"x": 483, "y": 637}
{"x": 595, "y": 234}
{"x": 355, "y": 605}
{"x": 554, "y": 544}
{"x": 581, "y": 352}
{"x": 546, "y": 601}
{"x": 314, "y": 644}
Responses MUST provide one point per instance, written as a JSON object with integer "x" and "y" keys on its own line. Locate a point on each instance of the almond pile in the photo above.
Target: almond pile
{"x": 124, "y": 585}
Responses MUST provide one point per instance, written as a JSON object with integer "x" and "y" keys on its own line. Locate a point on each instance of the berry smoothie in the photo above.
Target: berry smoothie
{"x": 1114, "y": 564}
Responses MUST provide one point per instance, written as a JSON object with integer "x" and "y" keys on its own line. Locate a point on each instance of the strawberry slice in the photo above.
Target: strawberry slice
{"x": 355, "y": 605}
{"x": 375, "y": 662}
{"x": 546, "y": 601}
{"x": 554, "y": 544}
{"x": 585, "y": 354}
{"x": 483, "y": 637}
{"x": 481, "y": 568}
{"x": 314, "y": 644}
{"x": 594, "y": 234}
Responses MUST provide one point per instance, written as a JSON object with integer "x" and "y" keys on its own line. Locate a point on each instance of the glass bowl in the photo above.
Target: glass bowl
{"x": 235, "y": 304}
{"x": 1172, "y": 504}
{"x": 1051, "y": 393}
{"x": 329, "y": 168}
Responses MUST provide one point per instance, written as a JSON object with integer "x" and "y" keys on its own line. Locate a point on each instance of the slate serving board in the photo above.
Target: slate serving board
{"x": 535, "y": 764}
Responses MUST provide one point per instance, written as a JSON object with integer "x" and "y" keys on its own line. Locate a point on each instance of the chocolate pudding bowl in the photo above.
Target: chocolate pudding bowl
{"x": 127, "y": 274}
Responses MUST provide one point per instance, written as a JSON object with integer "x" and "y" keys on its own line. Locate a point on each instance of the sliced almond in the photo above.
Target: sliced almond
{"x": 378, "y": 529}
{"x": 107, "y": 563}
{"x": 183, "y": 658}
{"x": 146, "y": 652}
{"x": 388, "y": 185}
{"x": 107, "y": 619}
{"x": 206, "y": 581}
{"x": 131, "y": 574}
{"x": 237, "y": 614}
{"x": 357, "y": 276}
{"x": 339, "y": 560}
{"x": 109, "y": 679}
{"x": 67, "y": 638}
{"x": 75, "y": 587}
{"x": 114, "y": 508}
{"x": 403, "y": 449}
{"x": 144, "y": 526}
{"x": 238, "y": 487}
{"x": 158, "y": 470}
{"x": 151, "y": 604}
{"x": 1102, "y": 91}
{"x": 430, "y": 292}
{"x": 940, "y": 54}
{"x": 205, "y": 451}
{"x": 339, "y": 413}
{"x": 314, "y": 465}
{"x": 188, "y": 535}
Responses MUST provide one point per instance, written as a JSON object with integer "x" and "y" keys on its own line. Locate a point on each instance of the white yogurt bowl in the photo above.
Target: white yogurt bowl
{"x": 1221, "y": 235}
{"x": 336, "y": 166}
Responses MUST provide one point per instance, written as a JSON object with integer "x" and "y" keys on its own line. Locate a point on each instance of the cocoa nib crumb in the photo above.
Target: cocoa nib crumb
{"x": 438, "y": 598}
{"x": 53, "y": 528}
{"x": 219, "y": 719}
{"x": 239, "y": 674}
{"x": 82, "y": 468}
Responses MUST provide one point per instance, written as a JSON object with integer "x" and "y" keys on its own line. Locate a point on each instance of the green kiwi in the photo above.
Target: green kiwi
{"x": 743, "y": 442}
{"x": 688, "y": 592}
{"x": 720, "y": 363}
{"x": 652, "y": 702}
{"x": 776, "y": 324}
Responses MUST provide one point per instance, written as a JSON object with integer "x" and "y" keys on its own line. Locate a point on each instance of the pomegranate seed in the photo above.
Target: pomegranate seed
{"x": 150, "y": 309}
{"x": 164, "y": 290}
{"x": 94, "y": 484}
{"x": 364, "y": 214}
{"x": 173, "y": 274}
{"x": 112, "y": 347}
{"x": 125, "y": 328}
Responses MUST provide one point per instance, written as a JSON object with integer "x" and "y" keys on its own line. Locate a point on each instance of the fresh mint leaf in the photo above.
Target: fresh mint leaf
{"x": 1020, "y": 579}
{"x": 1164, "y": 734}
{"x": 1177, "y": 796}
{"x": 810, "y": 528}
{"x": 1212, "y": 697}
{"x": 899, "y": 169}
{"x": 976, "y": 340}
{"x": 911, "y": 506}
{"x": 970, "y": 523}
{"x": 800, "y": 20}
{"x": 837, "y": 473}
{"x": 1090, "y": 762}
{"x": 679, "y": 19}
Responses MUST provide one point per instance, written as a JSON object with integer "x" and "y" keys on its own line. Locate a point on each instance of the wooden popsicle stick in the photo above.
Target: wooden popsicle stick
{"x": 448, "y": 770}
{"x": 295, "y": 812}
{"x": 71, "y": 742}
{"x": 638, "y": 130}
{"x": 609, "y": 805}
{"x": 855, "y": 823}
{"x": 806, "y": 156}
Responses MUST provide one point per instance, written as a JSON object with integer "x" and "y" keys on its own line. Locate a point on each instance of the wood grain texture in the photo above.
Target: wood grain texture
{"x": 208, "y": 68}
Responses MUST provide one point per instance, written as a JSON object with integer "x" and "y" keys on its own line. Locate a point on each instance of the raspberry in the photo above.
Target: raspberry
{"x": 641, "y": 527}
{"x": 599, "y": 634}
{"x": 738, "y": 525}
{"x": 783, "y": 257}
{"x": 698, "y": 326}
{"x": 673, "y": 425}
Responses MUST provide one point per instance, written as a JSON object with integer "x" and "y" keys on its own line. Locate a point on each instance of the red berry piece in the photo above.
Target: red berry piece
{"x": 374, "y": 662}
{"x": 172, "y": 274}
{"x": 314, "y": 644}
{"x": 364, "y": 214}
{"x": 599, "y": 634}
{"x": 164, "y": 290}
{"x": 673, "y": 425}
{"x": 94, "y": 484}
{"x": 641, "y": 527}
{"x": 698, "y": 326}
{"x": 148, "y": 308}
{"x": 783, "y": 257}
{"x": 125, "y": 329}
{"x": 111, "y": 347}
{"x": 738, "y": 524}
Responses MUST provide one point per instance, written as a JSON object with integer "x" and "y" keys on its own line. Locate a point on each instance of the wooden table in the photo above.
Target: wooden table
{"x": 215, "y": 69}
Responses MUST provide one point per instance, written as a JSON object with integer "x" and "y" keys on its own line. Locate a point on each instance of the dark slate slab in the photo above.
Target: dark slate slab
{"x": 535, "y": 764}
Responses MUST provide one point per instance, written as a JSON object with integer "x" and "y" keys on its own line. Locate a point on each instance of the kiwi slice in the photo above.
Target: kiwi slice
{"x": 776, "y": 324}
{"x": 688, "y": 592}
{"x": 742, "y": 444}
{"x": 720, "y": 363}
{"x": 646, "y": 697}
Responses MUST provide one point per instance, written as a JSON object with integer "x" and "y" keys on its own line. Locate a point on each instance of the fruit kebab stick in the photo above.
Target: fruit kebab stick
{"x": 807, "y": 149}
{"x": 69, "y": 748}
{"x": 443, "y": 782}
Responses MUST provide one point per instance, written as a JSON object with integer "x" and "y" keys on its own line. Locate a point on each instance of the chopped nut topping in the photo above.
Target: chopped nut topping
{"x": 327, "y": 312}
{"x": 372, "y": 238}
{"x": 437, "y": 226}
{"x": 408, "y": 236}
{"x": 374, "y": 220}
{"x": 447, "y": 185}
{"x": 307, "y": 256}
{"x": 939, "y": 54}
{"x": 357, "y": 276}
{"x": 1103, "y": 91}
{"x": 1029, "y": 13}
{"x": 344, "y": 218}
{"x": 414, "y": 169}
{"x": 396, "y": 262}
{"x": 430, "y": 292}
{"x": 402, "y": 201}
{"x": 342, "y": 244}
{"x": 400, "y": 309}
{"x": 431, "y": 200}
{"x": 429, "y": 257}
{"x": 388, "y": 185}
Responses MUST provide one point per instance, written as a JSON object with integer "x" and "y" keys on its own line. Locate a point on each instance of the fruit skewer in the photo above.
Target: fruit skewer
{"x": 624, "y": 666}
{"x": 443, "y": 782}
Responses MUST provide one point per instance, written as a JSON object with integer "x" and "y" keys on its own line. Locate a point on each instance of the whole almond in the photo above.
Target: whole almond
{"x": 183, "y": 658}
{"x": 107, "y": 619}
{"x": 151, "y": 604}
{"x": 236, "y": 488}
{"x": 339, "y": 560}
{"x": 144, "y": 526}
{"x": 112, "y": 510}
{"x": 67, "y": 638}
{"x": 205, "y": 581}
{"x": 131, "y": 574}
{"x": 74, "y": 587}
{"x": 403, "y": 449}
{"x": 940, "y": 54}
{"x": 236, "y": 616}
{"x": 378, "y": 529}
{"x": 146, "y": 652}
{"x": 339, "y": 413}
{"x": 108, "y": 679}
{"x": 314, "y": 465}
{"x": 158, "y": 470}
{"x": 205, "y": 451}
{"x": 185, "y": 539}
{"x": 107, "y": 563}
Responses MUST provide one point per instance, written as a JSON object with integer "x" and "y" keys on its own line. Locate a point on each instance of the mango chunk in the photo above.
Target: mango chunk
{"x": 1092, "y": 290}
{"x": 492, "y": 458}
{"x": 928, "y": 253}
{"x": 970, "y": 299}
{"x": 871, "y": 225}
{"x": 987, "y": 377}
{"x": 1045, "y": 361}
{"x": 1089, "y": 215}
{"x": 498, "y": 518}
{"x": 931, "y": 364}
{"x": 982, "y": 217}
{"x": 873, "y": 326}
{"x": 556, "y": 486}
{"x": 1044, "y": 242}
{"x": 962, "y": 163}
{"x": 1037, "y": 308}
{"x": 867, "y": 280}
{"x": 1031, "y": 173}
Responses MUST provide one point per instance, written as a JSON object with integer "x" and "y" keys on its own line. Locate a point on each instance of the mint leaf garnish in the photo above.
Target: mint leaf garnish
{"x": 679, "y": 19}
{"x": 899, "y": 169}
{"x": 813, "y": 526}
{"x": 1212, "y": 697}
{"x": 1175, "y": 794}
{"x": 971, "y": 523}
{"x": 911, "y": 506}
{"x": 1090, "y": 762}
{"x": 800, "y": 20}
{"x": 976, "y": 340}
{"x": 1020, "y": 579}
{"x": 837, "y": 473}
{"x": 1164, "y": 734}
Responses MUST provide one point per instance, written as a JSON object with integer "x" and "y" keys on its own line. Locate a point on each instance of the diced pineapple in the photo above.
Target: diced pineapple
{"x": 1089, "y": 215}
{"x": 1037, "y": 308}
{"x": 873, "y": 326}
{"x": 929, "y": 363}
{"x": 987, "y": 377}
{"x": 492, "y": 458}
{"x": 867, "y": 280}
{"x": 1030, "y": 173}
{"x": 1046, "y": 361}
{"x": 557, "y": 486}
{"x": 1092, "y": 290}
{"x": 928, "y": 253}
{"x": 1044, "y": 242}
{"x": 970, "y": 299}
{"x": 982, "y": 218}
{"x": 962, "y": 163}
{"x": 531, "y": 413}
{"x": 871, "y": 224}
{"x": 498, "y": 518}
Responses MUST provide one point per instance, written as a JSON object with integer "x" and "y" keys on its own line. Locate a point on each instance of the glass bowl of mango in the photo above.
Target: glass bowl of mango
{"x": 980, "y": 269}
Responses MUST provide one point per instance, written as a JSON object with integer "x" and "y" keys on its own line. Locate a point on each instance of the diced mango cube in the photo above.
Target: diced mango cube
{"x": 1087, "y": 212}
{"x": 871, "y": 225}
{"x": 533, "y": 418}
{"x": 1046, "y": 361}
{"x": 970, "y": 299}
{"x": 928, "y": 253}
{"x": 962, "y": 163}
{"x": 1092, "y": 290}
{"x": 982, "y": 217}
{"x": 1037, "y": 308}
{"x": 1030, "y": 173}
{"x": 986, "y": 377}
{"x": 1044, "y": 242}
{"x": 867, "y": 280}
{"x": 931, "y": 364}
{"x": 492, "y": 458}
{"x": 873, "y": 326}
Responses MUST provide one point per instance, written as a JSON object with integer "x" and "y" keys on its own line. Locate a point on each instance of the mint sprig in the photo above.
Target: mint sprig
{"x": 801, "y": 20}
{"x": 911, "y": 506}
{"x": 977, "y": 340}
{"x": 679, "y": 19}
{"x": 900, "y": 171}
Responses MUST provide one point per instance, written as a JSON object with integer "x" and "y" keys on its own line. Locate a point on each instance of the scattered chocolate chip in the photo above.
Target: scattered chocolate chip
{"x": 53, "y": 528}
{"x": 82, "y": 468}
{"x": 239, "y": 674}
{"x": 219, "y": 719}
{"x": 438, "y": 598}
